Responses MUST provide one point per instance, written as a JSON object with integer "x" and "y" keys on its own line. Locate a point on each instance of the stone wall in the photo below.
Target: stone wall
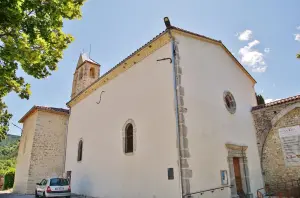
{"x": 267, "y": 122}
{"x": 24, "y": 154}
{"x": 273, "y": 158}
{"x": 48, "y": 148}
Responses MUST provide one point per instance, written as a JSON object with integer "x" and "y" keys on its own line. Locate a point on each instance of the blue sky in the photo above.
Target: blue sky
{"x": 261, "y": 34}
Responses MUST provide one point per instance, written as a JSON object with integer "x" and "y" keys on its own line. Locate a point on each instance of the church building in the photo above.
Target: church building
{"x": 174, "y": 118}
{"x": 171, "y": 120}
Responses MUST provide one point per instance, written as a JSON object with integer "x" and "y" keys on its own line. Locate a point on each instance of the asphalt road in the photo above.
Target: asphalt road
{"x": 15, "y": 196}
{"x": 9, "y": 195}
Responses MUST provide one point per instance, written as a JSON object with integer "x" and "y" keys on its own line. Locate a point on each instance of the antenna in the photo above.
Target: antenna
{"x": 90, "y": 50}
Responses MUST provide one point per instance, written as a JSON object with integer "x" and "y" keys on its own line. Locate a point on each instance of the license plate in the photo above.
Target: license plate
{"x": 59, "y": 188}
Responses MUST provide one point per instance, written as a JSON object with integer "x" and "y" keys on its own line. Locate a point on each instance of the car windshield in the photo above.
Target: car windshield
{"x": 59, "y": 182}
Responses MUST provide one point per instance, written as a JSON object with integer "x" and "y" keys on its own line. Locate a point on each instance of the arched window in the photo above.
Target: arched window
{"x": 80, "y": 74}
{"x": 129, "y": 138}
{"x": 79, "y": 154}
{"x": 92, "y": 72}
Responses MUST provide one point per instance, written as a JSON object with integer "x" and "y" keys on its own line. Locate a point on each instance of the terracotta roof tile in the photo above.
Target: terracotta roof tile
{"x": 277, "y": 102}
{"x": 53, "y": 109}
{"x": 43, "y": 108}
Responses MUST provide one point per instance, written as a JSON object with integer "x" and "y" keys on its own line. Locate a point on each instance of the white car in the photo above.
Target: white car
{"x": 53, "y": 187}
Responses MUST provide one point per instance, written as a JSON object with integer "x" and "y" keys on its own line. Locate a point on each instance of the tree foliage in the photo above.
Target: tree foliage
{"x": 9, "y": 151}
{"x": 9, "y": 179}
{"x": 31, "y": 39}
{"x": 260, "y": 99}
{"x": 8, "y": 155}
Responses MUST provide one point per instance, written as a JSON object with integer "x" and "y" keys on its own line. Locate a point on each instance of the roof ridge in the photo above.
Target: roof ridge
{"x": 196, "y": 34}
{"x": 38, "y": 107}
{"x": 277, "y": 102}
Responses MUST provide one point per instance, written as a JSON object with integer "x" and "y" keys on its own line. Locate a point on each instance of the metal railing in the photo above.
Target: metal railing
{"x": 201, "y": 192}
{"x": 284, "y": 189}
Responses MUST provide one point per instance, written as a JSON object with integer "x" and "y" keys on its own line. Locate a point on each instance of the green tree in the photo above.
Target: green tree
{"x": 298, "y": 55}
{"x": 31, "y": 39}
{"x": 9, "y": 179}
{"x": 260, "y": 99}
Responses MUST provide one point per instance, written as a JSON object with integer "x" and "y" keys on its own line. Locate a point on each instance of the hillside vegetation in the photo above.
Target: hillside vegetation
{"x": 8, "y": 153}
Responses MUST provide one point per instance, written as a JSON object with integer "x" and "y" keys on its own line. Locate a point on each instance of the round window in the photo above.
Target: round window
{"x": 229, "y": 102}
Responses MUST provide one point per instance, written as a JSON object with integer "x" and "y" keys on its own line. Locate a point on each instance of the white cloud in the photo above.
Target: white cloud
{"x": 245, "y": 36}
{"x": 253, "y": 43}
{"x": 253, "y": 58}
{"x": 270, "y": 100}
{"x": 297, "y": 37}
{"x": 267, "y": 50}
{"x": 298, "y": 28}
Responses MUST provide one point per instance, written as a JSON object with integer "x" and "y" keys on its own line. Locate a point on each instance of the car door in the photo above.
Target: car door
{"x": 39, "y": 188}
{"x": 43, "y": 186}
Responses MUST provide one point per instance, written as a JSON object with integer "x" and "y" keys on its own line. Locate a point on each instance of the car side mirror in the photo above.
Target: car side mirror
{"x": 38, "y": 184}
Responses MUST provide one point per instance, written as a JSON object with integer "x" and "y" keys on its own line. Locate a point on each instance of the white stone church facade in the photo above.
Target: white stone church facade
{"x": 172, "y": 119}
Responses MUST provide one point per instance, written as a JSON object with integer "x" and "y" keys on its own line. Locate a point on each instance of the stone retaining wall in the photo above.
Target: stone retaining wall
{"x": 267, "y": 122}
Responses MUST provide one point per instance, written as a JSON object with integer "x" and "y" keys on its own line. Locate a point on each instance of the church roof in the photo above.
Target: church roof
{"x": 147, "y": 49}
{"x": 85, "y": 58}
{"x": 45, "y": 109}
{"x": 277, "y": 102}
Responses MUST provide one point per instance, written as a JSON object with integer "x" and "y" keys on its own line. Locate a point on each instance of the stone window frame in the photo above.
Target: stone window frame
{"x": 239, "y": 152}
{"x": 129, "y": 121}
{"x": 229, "y": 101}
{"x": 80, "y": 143}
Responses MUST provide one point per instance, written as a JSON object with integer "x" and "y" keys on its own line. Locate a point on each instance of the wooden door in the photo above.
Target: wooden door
{"x": 237, "y": 173}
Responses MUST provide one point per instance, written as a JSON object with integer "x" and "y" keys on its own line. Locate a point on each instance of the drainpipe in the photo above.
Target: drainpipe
{"x": 176, "y": 109}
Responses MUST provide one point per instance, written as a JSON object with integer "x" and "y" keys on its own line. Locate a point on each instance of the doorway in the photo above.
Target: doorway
{"x": 238, "y": 171}
{"x": 237, "y": 174}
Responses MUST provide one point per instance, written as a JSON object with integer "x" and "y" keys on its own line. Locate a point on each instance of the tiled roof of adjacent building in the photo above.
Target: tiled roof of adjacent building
{"x": 43, "y": 108}
{"x": 277, "y": 102}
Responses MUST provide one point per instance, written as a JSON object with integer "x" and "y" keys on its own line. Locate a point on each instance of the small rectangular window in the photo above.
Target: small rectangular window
{"x": 44, "y": 182}
{"x": 170, "y": 173}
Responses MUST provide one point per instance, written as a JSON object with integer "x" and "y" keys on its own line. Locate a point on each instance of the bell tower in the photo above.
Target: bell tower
{"x": 87, "y": 71}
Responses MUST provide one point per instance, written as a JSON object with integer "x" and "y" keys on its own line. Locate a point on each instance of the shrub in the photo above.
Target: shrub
{"x": 9, "y": 179}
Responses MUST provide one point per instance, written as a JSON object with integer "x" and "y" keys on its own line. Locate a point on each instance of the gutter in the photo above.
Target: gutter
{"x": 176, "y": 110}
